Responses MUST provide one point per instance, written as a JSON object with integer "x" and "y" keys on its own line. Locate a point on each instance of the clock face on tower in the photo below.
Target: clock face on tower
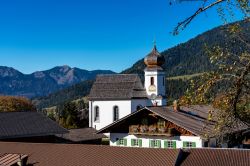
{"x": 152, "y": 88}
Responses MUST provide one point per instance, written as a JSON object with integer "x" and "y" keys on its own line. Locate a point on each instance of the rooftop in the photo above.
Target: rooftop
{"x": 78, "y": 155}
{"x": 193, "y": 119}
{"x": 81, "y": 135}
{"x": 117, "y": 87}
{"x": 27, "y": 124}
{"x": 70, "y": 154}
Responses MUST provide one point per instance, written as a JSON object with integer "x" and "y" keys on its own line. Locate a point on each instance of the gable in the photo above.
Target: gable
{"x": 145, "y": 122}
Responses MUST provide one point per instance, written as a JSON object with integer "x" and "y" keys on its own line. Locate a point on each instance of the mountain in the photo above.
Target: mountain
{"x": 191, "y": 57}
{"x": 42, "y": 83}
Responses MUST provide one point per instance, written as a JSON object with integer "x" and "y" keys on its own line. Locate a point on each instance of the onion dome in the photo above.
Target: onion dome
{"x": 154, "y": 59}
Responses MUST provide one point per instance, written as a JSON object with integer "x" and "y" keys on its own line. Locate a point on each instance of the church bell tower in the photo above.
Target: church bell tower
{"x": 155, "y": 80}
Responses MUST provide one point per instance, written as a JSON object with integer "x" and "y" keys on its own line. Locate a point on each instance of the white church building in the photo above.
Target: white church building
{"x": 115, "y": 96}
{"x": 135, "y": 114}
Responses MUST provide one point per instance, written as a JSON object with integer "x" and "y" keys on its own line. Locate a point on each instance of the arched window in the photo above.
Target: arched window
{"x": 152, "y": 80}
{"x": 97, "y": 113}
{"x": 115, "y": 113}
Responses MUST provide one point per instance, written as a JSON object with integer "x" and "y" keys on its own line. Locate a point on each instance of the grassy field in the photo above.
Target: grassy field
{"x": 185, "y": 77}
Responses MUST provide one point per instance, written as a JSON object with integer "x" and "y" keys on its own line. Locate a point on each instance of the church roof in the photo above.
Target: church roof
{"x": 117, "y": 87}
{"x": 154, "y": 60}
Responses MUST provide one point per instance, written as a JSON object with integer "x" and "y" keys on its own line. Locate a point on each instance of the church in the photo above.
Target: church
{"x": 135, "y": 113}
{"x": 115, "y": 96}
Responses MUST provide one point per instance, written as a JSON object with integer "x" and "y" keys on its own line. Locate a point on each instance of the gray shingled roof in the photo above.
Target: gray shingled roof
{"x": 27, "y": 124}
{"x": 80, "y": 135}
{"x": 193, "y": 119}
{"x": 117, "y": 86}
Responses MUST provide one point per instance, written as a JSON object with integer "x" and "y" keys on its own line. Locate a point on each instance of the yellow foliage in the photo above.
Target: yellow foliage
{"x": 10, "y": 103}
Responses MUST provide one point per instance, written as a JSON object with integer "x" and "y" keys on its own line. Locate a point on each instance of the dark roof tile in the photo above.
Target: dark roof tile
{"x": 79, "y": 135}
{"x": 27, "y": 124}
{"x": 117, "y": 86}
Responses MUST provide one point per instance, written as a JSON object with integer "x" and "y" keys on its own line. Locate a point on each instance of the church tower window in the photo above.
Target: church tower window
{"x": 152, "y": 81}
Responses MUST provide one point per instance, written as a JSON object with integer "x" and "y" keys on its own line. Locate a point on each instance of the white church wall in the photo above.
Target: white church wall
{"x": 106, "y": 112}
{"x": 146, "y": 140}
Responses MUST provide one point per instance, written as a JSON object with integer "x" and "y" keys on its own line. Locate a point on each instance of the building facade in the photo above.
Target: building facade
{"x": 167, "y": 127}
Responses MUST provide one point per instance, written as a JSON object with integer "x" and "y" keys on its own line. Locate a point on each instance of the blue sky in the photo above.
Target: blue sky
{"x": 91, "y": 34}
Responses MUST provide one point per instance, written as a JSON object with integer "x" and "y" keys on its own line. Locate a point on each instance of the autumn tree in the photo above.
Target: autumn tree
{"x": 233, "y": 73}
{"x": 10, "y": 103}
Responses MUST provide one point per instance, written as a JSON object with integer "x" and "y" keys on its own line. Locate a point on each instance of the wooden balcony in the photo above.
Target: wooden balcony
{"x": 151, "y": 130}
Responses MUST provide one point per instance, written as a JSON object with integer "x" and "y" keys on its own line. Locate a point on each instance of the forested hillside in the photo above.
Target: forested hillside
{"x": 191, "y": 57}
{"x": 66, "y": 95}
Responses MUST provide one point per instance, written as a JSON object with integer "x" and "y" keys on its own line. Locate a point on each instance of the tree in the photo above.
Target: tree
{"x": 10, "y": 103}
{"x": 233, "y": 73}
{"x": 225, "y": 8}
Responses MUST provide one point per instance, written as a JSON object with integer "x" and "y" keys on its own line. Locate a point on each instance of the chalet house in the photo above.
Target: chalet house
{"x": 115, "y": 96}
{"x": 28, "y": 127}
{"x": 167, "y": 127}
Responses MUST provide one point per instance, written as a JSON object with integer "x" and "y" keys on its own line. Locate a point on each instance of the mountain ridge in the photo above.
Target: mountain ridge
{"x": 42, "y": 83}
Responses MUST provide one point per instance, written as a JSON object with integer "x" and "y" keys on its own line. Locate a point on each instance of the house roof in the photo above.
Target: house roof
{"x": 193, "y": 119}
{"x": 72, "y": 154}
{"x": 11, "y": 159}
{"x": 214, "y": 157}
{"x": 80, "y": 135}
{"x": 27, "y": 124}
{"x": 117, "y": 87}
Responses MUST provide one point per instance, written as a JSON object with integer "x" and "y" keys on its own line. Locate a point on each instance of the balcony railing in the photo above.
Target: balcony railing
{"x": 150, "y": 130}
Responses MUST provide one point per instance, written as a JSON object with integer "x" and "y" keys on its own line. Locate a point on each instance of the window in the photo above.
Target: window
{"x": 189, "y": 144}
{"x": 152, "y": 81}
{"x": 136, "y": 142}
{"x": 170, "y": 144}
{"x": 97, "y": 113}
{"x": 161, "y": 123}
{"x": 155, "y": 143}
{"x": 121, "y": 142}
{"x": 116, "y": 113}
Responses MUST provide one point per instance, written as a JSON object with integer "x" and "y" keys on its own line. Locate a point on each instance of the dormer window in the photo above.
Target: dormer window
{"x": 97, "y": 113}
{"x": 116, "y": 113}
